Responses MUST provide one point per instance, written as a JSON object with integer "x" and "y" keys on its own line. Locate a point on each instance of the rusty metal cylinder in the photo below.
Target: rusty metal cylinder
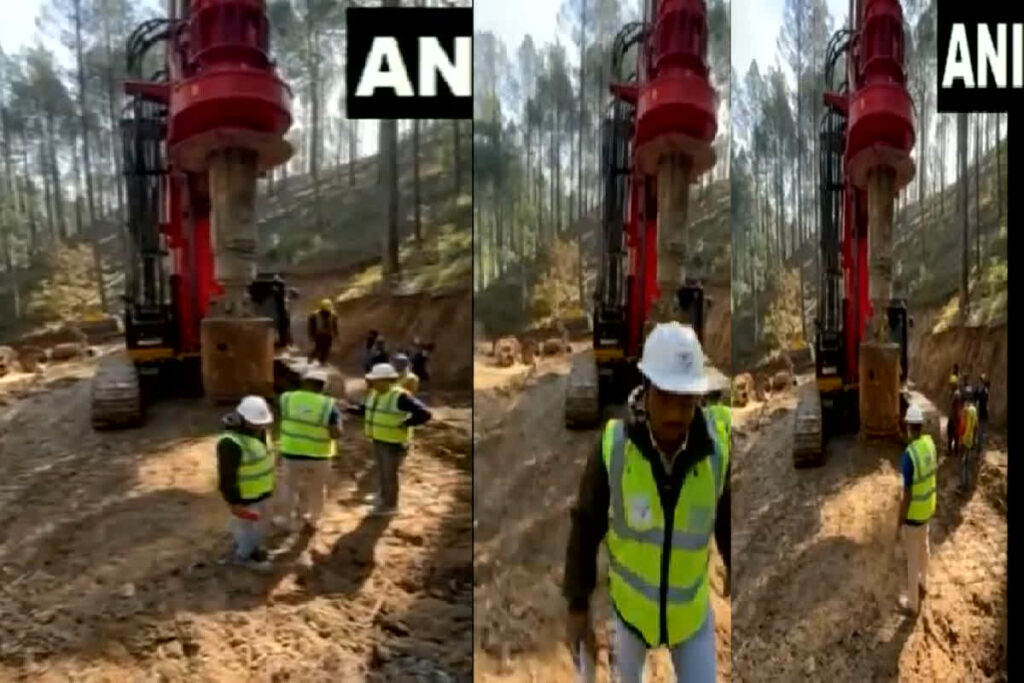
{"x": 879, "y": 370}
{"x": 881, "y": 202}
{"x": 232, "y": 174}
{"x": 673, "y": 209}
{"x": 237, "y": 358}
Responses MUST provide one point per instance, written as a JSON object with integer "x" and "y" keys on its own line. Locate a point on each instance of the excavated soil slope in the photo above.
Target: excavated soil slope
{"x": 818, "y": 571}
{"x": 977, "y": 349}
{"x": 718, "y": 327}
{"x": 526, "y": 474}
{"x": 444, "y": 319}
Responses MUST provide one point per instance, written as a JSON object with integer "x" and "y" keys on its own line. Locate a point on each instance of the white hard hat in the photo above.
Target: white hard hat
{"x": 673, "y": 360}
{"x": 316, "y": 375}
{"x": 255, "y": 410}
{"x": 382, "y": 371}
{"x": 914, "y": 415}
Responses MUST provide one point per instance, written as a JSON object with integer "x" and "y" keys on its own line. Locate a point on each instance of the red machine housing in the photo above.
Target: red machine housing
{"x": 675, "y": 113}
{"x": 221, "y": 92}
{"x": 879, "y": 133}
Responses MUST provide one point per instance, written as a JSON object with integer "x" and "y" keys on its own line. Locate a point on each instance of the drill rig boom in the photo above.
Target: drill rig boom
{"x": 195, "y": 135}
{"x": 866, "y": 136}
{"x": 656, "y": 141}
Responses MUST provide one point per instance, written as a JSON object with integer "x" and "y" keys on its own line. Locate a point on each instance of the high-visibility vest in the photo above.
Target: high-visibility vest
{"x": 637, "y": 540}
{"x": 256, "y": 471}
{"x": 383, "y": 420}
{"x": 410, "y": 382}
{"x": 969, "y": 422}
{"x": 722, "y": 417}
{"x": 305, "y": 419}
{"x": 922, "y": 490}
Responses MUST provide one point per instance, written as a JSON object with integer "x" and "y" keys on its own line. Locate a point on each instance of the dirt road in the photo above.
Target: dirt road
{"x": 526, "y": 473}
{"x": 110, "y": 546}
{"x": 817, "y": 573}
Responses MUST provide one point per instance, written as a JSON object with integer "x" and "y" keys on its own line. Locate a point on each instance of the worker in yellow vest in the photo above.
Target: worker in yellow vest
{"x": 389, "y": 415}
{"x": 310, "y": 424}
{"x": 655, "y": 486}
{"x": 407, "y": 379}
{"x": 246, "y": 472}
{"x": 917, "y": 506}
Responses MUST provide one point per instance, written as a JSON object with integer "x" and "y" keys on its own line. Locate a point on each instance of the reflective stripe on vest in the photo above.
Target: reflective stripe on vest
{"x": 304, "y": 424}
{"x": 383, "y": 420}
{"x": 922, "y": 491}
{"x": 256, "y": 471}
{"x": 722, "y": 417}
{"x": 637, "y": 537}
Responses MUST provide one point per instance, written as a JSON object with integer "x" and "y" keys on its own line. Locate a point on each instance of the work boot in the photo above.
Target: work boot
{"x": 256, "y": 562}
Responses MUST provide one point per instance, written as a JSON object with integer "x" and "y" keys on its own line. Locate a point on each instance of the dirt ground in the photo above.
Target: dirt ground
{"x": 526, "y": 474}
{"x": 818, "y": 572}
{"x": 111, "y": 542}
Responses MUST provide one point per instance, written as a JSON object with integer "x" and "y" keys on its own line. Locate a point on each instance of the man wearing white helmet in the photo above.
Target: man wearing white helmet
{"x": 917, "y": 506}
{"x": 655, "y": 490}
{"x": 389, "y": 413}
{"x": 310, "y": 424}
{"x": 246, "y": 472}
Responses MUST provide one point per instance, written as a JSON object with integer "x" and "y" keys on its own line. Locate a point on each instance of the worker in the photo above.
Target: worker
{"x": 379, "y": 353}
{"x": 917, "y": 506}
{"x": 968, "y": 424}
{"x": 310, "y": 425}
{"x": 953, "y": 421}
{"x": 420, "y": 356}
{"x": 720, "y": 415}
{"x": 389, "y": 415}
{"x": 323, "y": 330}
{"x": 407, "y": 379}
{"x": 371, "y": 342}
{"x": 245, "y": 469}
{"x": 982, "y": 399}
{"x": 671, "y": 461}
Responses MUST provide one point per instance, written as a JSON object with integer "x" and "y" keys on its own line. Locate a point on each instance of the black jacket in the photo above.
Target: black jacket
{"x": 229, "y": 459}
{"x": 590, "y": 514}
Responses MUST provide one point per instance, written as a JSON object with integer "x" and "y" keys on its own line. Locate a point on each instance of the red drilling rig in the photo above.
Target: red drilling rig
{"x": 656, "y": 141}
{"x": 867, "y": 134}
{"x": 196, "y": 135}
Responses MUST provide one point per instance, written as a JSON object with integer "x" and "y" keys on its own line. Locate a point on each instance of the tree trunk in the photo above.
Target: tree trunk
{"x": 977, "y": 193}
{"x": 457, "y": 157}
{"x": 51, "y": 226}
{"x": 94, "y": 227}
{"x": 963, "y": 186}
{"x": 388, "y": 153}
{"x": 77, "y": 170}
{"x": 418, "y": 224}
{"x": 115, "y": 152}
{"x": 999, "y": 168}
{"x": 314, "y": 132}
{"x": 54, "y": 170}
{"x": 579, "y": 144}
{"x": 353, "y": 150}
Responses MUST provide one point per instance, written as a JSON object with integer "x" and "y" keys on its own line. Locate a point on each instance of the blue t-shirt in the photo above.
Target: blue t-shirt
{"x": 908, "y": 469}
{"x": 907, "y": 465}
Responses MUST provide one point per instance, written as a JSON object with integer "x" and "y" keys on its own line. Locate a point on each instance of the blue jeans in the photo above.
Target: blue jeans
{"x": 693, "y": 660}
{"x": 248, "y": 533}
